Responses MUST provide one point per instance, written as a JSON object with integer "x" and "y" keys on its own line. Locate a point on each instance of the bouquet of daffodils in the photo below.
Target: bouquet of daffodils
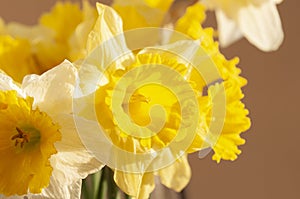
{"x": 100, "y": 101}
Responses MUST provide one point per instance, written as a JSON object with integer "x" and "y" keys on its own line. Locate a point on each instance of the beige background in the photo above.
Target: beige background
{"x": 268, "y": 166}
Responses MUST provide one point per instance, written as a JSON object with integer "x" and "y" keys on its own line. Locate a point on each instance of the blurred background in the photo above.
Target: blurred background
{"x": 268, "y": 166}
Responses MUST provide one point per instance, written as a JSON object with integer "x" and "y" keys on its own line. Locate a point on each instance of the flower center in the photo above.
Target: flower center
{"x": 21, "y": 137}
{"x": 27, "y": 139}
{"x": 26, "y": 135}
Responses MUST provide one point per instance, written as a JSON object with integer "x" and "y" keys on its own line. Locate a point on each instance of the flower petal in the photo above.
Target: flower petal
{"x": 177, "y": 175}
{"x": 108, "y": 25}
{"x": 52, "y": 91}
{"x": 73, "y": 160}
{"x": 136, "y": 185}
{"x": 53, "y": 191}
{"x": 261, "y": 25}
{"x": 7, "y": 83}
{"x": 227, "y": 28}
{"x": 278, "y": 1}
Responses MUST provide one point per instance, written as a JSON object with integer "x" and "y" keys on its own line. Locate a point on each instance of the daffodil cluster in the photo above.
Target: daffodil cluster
{"x": 60, "y": 34}
{"x": 137, "y": 86}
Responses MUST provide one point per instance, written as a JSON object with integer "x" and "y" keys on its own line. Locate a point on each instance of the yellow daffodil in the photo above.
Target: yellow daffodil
{"x": 142, "y": 13}
{"x": 61, "y": 34}
{"x": 119, "y": 90}
{"x": 15, "y": 57}
{"x": 257, "y": 20}
{"x": 41, "y": 153}
{"x": 71, "y": 27}
{"x": 236, "y": 120}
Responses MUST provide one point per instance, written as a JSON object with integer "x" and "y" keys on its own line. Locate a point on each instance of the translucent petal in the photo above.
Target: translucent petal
{"x": 73, "y": 160}
{"x": 52, "y": 91}
{"x": 7, "y": 83}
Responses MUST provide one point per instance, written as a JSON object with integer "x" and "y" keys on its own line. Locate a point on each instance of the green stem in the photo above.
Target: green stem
{"x": 96, "y": 178}
{"x": 102, "y": 191}
{"x": 101, "y": 185}
{"x": 127, "y": 196}
{"x": 85, "y": 191}
{"x": 114, "y": 190}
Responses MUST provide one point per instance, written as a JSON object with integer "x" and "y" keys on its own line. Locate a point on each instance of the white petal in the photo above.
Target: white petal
{"x": 53, "y": 90}
{"x": 7, "y": 83}
{"x": 55, "y": 190}
{"x": 73, "y": 160}
{"x": 228, "y": 29}
{"x": 278, "y": 1}
{"x": 90, "y": 78}
{"x": 261, "y": 26}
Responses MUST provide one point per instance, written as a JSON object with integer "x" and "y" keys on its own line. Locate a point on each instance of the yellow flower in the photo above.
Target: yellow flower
{"x": 63, "y": 19}
{"x": 142, "y": 13}
{"x": 15, "y": 57}
{"x": 71, "y": 27}
{"x": 61, "y": 34}
{"x": 236, "y": 120}
{"x": 41, "y": 153}
{"x": 27, "y": 142}
{"x": 119, "y": 90}
{"x": 257, "y": 20}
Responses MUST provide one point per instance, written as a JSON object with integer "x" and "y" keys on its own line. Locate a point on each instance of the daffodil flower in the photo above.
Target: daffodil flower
{"x": 116, "y": 95}
{"x": 257, "y": 20}
{"x": 41, "y": 153}
{"x": 142, "y": 13}
{"x": 46, "y": 44}
{"x": 236, "y": 120}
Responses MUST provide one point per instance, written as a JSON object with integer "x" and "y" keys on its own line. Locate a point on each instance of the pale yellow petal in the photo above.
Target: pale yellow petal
{"x": 261, "y": 25}
{"x": 137, "y": 185}
{"x": 129, "y": 183}
{"x": 78, "y": 39}
{"x": 177, "y": 175}
{"x": 108, "y": 25}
